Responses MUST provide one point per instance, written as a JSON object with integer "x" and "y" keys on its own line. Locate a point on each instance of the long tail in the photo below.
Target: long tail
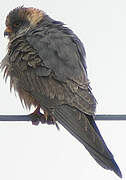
{"x": 83, "y": 127}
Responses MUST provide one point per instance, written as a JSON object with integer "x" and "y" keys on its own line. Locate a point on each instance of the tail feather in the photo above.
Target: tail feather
{"x": 83, "y": 127}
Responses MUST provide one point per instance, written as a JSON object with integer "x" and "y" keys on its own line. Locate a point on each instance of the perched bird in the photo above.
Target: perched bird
{"x": 46, "y": 65}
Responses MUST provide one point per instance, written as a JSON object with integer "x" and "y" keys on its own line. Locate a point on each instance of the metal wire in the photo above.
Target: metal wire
{"x": 110, "y": 117}
{"x": 98, "y": 117}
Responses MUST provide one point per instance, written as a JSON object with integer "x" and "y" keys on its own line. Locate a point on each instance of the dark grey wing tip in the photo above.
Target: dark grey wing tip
{"x": 68, "y": 117}
{"x": 117, "y": 170}
{"x": 119, "y": 173}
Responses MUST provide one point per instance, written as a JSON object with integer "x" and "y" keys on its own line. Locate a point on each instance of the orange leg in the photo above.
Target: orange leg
{"x": 37, "y": 110}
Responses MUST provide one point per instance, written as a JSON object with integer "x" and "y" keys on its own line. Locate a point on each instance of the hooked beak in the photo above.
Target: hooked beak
{"x": 7, "y": 31}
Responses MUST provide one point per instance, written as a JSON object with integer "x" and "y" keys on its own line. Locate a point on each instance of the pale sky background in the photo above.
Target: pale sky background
{"x": 36, "y": 153}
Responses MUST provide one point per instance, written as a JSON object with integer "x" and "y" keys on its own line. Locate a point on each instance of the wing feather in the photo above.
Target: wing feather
{"x": 51, "y": 72}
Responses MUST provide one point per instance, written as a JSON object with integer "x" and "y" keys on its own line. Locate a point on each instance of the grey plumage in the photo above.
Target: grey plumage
{"x": 46, "y": 65}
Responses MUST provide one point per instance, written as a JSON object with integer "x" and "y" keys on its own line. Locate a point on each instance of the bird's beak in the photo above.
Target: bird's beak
{"x": 7, "y": 31}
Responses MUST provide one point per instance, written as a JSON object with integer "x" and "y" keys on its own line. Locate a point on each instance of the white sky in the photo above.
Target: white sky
{"x": 30, "y": 152}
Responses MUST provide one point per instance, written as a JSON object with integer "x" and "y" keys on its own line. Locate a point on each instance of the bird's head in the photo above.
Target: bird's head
{"x": 20, "y": 20}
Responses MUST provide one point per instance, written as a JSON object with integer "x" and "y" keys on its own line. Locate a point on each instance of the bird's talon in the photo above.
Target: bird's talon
{"x": 35, "y": 122}
{"x": 45, "y": 118}
{"x": 49, "y": 120}
{"x": 37, "y": 117}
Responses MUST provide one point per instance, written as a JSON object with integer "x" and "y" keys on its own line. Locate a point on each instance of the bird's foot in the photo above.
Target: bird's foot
{"x": 37, "y": 117}
{"x": 50, "y": 120}
{"x": 45, "y": 118}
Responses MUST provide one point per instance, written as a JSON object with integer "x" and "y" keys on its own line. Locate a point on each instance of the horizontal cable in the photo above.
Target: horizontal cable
{"x": 98, "y": 117}
{"x": 110, "y": 117}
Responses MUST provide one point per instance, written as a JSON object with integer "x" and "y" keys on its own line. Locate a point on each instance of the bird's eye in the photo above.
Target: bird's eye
{"x": 16, "y": 24}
